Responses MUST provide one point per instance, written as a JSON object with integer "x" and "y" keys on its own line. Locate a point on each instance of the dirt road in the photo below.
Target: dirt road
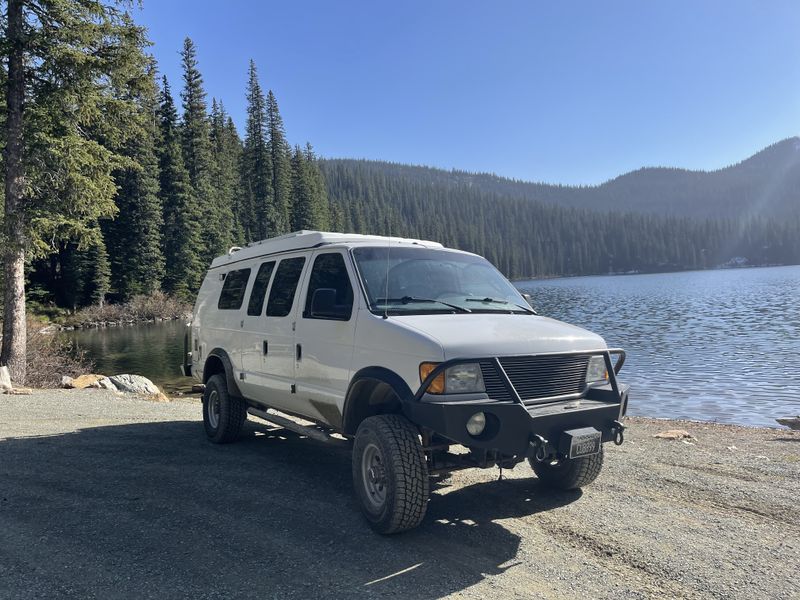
{"x": 103, "y": 497}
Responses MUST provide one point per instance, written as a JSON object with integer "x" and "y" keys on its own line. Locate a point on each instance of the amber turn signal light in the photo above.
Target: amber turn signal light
{"x": 437, "y": 385}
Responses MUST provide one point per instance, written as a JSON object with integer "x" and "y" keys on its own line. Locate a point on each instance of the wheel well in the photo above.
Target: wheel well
{"x": 213, "y": 366}
{"x": 369, "y": 397}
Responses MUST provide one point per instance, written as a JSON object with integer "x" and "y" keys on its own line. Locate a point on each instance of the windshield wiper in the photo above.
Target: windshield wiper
{"x": 414, "y": 299}
{"x": 489, "y": 300}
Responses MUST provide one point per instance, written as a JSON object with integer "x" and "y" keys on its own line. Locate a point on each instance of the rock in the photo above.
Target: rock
{"x": 198, "y": 388}
{"x": 106, "y": 384}
{"x": 5, "y": 379}
{"x": 67, "y": 382}
{"x": 674, "y": 434}
{"x": 135, "y": 384}
{"x": 85, "y": 381}
{"x": 790, "y": 422}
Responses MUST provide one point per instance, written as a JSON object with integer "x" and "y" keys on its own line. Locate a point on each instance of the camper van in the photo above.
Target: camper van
{"x": 425, "y": 357}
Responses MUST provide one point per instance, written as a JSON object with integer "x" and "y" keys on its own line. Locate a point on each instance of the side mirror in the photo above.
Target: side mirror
{"x": 529, "y": 300}
{"x": 323, "y": 305}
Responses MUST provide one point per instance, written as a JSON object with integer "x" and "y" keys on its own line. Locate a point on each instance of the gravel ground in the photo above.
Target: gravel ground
{"x": 106, "y": 497}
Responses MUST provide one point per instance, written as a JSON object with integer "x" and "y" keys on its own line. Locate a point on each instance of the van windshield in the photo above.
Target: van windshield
{"x": 402, "y": 280}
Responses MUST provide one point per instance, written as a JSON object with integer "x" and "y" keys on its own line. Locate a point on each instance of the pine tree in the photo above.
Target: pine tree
{"x": 134, "y": 236}
{"x": 181, "y": 229}
{"x": 256, "y": 165}
{"x": 70, "y": 66}
{"x": 215, "y": 232}
{"x": 280, "y": 158}
{"x": 309, "y": 208}
{"x": 226, "y": 151}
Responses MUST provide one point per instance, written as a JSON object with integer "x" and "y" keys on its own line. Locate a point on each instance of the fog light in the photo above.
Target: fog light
{"x": 476, "y": 424}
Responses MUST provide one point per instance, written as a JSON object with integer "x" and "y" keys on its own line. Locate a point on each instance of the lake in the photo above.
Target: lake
{"x": 706, "y": 345}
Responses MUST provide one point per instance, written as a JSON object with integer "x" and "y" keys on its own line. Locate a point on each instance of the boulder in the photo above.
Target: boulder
{"x": 5, "y": 379}
{"x": 135, "y": 384}
{"x": 67, "y": 382}
{"x": 85, "y": 381}
{"x": 106, "y": 384}
{"x": 790, "y": 422}
{"x": 674, "y": 434}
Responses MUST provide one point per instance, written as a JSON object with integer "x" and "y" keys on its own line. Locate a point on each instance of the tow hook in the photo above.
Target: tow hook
{"x": 539, "y": 445}
{"x": 619, "y": 433}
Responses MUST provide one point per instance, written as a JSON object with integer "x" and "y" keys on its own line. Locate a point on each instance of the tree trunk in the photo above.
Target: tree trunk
{"x": 13, "y": 349}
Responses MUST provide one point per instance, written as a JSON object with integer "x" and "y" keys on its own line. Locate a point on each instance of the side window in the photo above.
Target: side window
{"x": 232, "y": 293}
{"x": 281, "y": 295}
{"x": 335, "y": 301}
{"x": 256, "y": 303}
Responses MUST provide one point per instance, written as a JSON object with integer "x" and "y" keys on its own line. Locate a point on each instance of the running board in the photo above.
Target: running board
{"x": 280, "y": 421}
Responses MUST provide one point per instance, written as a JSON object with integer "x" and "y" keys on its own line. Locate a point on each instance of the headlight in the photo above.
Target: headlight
{"x": 459, "y": 379}
{"x": 597, "y": 370}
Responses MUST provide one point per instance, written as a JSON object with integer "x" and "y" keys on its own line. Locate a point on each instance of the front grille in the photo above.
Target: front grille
{"x": 540, "y": 377}
{"x": 495, "y": 388}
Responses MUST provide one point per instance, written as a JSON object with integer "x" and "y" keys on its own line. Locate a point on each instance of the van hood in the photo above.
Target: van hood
{"x": 502, "y": 334}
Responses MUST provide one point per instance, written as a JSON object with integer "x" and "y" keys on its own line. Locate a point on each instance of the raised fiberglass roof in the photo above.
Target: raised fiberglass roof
{"x": 300, "y": 240}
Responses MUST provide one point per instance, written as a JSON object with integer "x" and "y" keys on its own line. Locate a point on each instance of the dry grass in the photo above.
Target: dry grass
{"x": 156, "y": 306}
{"x": 50, "y": 356}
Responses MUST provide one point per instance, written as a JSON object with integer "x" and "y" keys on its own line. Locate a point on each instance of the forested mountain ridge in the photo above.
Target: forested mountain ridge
{"x": 766, "y": 184}
{"x": 529, "y": 238}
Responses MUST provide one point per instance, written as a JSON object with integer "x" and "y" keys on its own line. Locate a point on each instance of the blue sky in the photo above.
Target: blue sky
{"x": 563, "y": 92}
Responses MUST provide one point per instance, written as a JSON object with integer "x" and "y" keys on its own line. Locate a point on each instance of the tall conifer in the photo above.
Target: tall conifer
{"x": 256, "y": 164}
{"x": 197, "y": 157}
{"x": 183, "y": 265}
{"x": 280, "y": 157}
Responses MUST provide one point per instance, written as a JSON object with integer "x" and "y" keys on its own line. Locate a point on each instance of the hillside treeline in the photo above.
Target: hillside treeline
{"x": 525, "y": 238}
{"x": 766, "y": 184}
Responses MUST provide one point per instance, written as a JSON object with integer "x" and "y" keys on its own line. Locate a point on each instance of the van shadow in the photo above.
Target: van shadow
{"x": 154, "y": 509}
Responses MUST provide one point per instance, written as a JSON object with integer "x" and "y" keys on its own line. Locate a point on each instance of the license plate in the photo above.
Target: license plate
{"x": 585, "y": 444}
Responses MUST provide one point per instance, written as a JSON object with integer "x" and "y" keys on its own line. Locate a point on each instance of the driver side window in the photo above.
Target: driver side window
{"x": 329, "y": 278}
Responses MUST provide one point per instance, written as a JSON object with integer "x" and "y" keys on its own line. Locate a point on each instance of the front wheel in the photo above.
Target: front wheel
{"x": 566, "y": 474}
{"x": 223, "y": 414}
{"x": 390, "y": 474}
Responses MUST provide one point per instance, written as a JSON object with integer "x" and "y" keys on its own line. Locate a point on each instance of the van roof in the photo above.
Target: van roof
{"x": 302, "y": 240}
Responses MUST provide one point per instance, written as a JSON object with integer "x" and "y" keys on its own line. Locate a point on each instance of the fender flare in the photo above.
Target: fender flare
{"x": 380, "y": 374}
{"x": 219, "y": 353}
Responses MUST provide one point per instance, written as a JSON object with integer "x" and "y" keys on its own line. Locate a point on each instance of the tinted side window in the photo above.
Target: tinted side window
{"x": 281, "y": 295}
{"x": 329, "y": 271}
{"x": 259, "y": 293}
{"x": 233, "y": 290}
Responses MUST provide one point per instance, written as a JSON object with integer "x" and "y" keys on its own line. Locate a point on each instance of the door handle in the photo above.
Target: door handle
{"x": 299, "y": 352}
{"x": 265, "y": 347}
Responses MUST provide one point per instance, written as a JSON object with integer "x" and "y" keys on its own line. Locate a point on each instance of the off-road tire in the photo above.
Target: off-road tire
{"x": 569, "y": 474}
{"x": 405, "y": 473}
{"x": 223, "y": 427}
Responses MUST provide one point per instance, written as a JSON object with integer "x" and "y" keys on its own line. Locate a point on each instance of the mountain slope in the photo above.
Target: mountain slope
{"x": 767, "y": 184}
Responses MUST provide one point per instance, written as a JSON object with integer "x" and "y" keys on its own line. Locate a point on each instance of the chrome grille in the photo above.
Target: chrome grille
{"x": 537, "y": 378}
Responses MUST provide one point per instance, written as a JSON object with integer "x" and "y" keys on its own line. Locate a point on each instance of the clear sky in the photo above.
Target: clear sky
{"x": 556, "y": 91}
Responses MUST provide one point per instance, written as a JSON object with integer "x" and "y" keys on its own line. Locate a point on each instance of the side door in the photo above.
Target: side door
{"x": 276, "y": 379}
{"x": 325, "y": 334}
{"x": 254, "y": 334}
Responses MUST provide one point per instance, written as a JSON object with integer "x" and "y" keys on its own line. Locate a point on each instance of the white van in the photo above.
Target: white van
{"x": 409, "y": 349}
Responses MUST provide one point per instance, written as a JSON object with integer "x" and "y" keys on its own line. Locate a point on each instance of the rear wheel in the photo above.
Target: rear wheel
{"x": 566, "y": 474}
{"x": 223, "y": 414}
{"x": 390, "y": 474}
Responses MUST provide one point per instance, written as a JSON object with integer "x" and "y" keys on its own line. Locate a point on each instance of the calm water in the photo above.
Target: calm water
{"x": 708, "y": 345}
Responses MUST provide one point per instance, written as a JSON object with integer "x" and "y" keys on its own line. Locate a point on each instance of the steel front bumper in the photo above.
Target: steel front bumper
{"x": 514, "y": 428}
